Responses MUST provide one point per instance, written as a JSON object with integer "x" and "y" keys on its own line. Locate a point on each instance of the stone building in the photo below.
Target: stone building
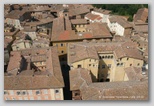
{"x": 34, "y": 74}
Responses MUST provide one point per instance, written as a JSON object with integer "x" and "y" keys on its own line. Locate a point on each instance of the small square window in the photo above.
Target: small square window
{"x": 11, "y": 92}
{"x": 62, "y": 45}
{"x": 37, "y": 92}
{"x": 138, "y": 64}
{"x": 45, "y": 91}
{"x": 56, "y": 91}
{"x": 30, "y": 92}
{"x": 18, "y": 92}
{"x": 79, "y": 66}
{"x": 23, "y": 92}
{"x": 5, "y": 92}
{"x": 103, "y": 66}
{"x": 89, "y": 64}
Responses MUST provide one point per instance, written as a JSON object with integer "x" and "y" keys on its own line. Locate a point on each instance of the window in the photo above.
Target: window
{"x": 37, "y": 92}
{"x": 109, "y": 65}
{"x": 5, "y": 92}
{"x": 18, "y": 92}
{"x": 108, "y": 57}
{"x": 62, "y": 44}
{"x": 56, "y": 91}
{"x": 45, "y": 91}
{"x": 111, "y": 57}
{"x": 79, "y": 66}
{"x": 93, "y": 65}
{"x": 62, "y": 51}
{"x": 100, "y": 57}
{"x": 118, "y": 64}
{"x": 90, "y": 60}
{"x": 130, "y": 64}
{"x": 23, "y": 92}
{"x": 11, "y": 92}
{"x": 30, "y": 92}
{"x": 98, "y": 66}
{"x": 121, "y": 64}
{"x": 77, "y": 94}
{"x": 89, "y": 65}
{"x": 127, "y": 58}
{"x": 103, "y": 66}
{"x": 105, "y": 57}
{"x": 138, "y": 64}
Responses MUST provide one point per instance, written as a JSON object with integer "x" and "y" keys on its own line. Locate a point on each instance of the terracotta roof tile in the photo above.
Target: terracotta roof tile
{"x": 14, "y": 62}
{"x": 123, "y": 90}
{"x": 29, "y": 79}
{"x": 134, "y": 73}
{"x": 124, "y": 23}
{"x": 92, "y": 16}
{"x": 91, "y": 50}
{"x": 78, "y": 11}
{"x": 141, "y": 15}
{"x": 78, "y": 21}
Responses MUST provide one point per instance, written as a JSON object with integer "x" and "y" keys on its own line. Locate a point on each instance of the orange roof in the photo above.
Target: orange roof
{"x": 88, "y": 35}
{"x": 64, "y": 35}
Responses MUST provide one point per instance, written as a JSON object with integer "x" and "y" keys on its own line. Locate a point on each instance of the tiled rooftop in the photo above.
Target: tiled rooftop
{"x": 141, "y": 15}
{"x": 29, "y": 79}
{"x": 106, "y": 90}
{"x": 90, "y": 50}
